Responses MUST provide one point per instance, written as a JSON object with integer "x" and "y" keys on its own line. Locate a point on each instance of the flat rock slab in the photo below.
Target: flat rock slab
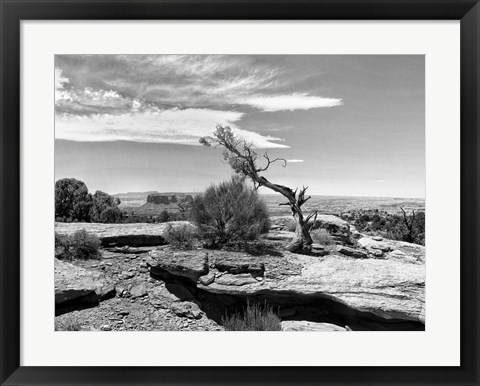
{"x": 76, "y": 284}
{"x": 236, "y": 263}
{"x": 393, "y": 249}
{"x": 304, "y": 325}
{"x": 190, "y": 264}
{"x": 118, "y": 235}
{"x": 352, "y": 252}
{"x": 388, "y": 288}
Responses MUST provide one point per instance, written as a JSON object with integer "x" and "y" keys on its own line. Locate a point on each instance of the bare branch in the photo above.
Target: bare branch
{"x": 301, "y": 196}
{"x": 314, "y": 214}
{"x": 269, "y": 162}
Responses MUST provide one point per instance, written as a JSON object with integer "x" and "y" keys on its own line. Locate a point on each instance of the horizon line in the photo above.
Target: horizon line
{"x": 274, "y": 194}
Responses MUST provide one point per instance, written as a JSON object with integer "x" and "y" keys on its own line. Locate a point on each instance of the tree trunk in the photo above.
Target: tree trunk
{"x": 302, "y": 242}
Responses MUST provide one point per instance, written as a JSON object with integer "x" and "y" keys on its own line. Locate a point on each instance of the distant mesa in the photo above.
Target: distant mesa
{"x": 168, "y": 199}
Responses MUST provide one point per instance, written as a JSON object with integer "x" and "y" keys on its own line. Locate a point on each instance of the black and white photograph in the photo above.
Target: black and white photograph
{"x": 239, "y": 193}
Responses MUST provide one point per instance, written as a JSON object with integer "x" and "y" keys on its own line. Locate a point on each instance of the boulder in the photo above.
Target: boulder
{"x": 393, "y": 249}
{"x": 76, "y": 287}
{"x": 187, "y": 309}
{"x": 338, "y": 228}
{"x": 160, "y": 297}
{"x": 371, "y": 243}
{"x": 304, "y": 325}
{"x": 207, "y": 279}
{"x": 138, "y": 291}
{"x": 352, "y": 252}
{"x": 190, "y": 265}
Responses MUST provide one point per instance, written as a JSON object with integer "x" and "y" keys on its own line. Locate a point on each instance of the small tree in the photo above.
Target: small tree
{"x": 72, "y": 200}
{"x": 415, "y": 225}
{"x": 105, "y": 208}
{"x": 244, "y": 161}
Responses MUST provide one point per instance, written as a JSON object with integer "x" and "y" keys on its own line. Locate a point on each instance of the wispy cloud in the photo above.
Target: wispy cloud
{"x": 170, "y": 98}
{"x": 156, "y": 126}
{"x": 295, "y": 160}
{"x": 296, "y": 101}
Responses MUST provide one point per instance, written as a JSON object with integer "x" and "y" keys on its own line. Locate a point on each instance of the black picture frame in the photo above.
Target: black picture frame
{"x": 13, "y": 11}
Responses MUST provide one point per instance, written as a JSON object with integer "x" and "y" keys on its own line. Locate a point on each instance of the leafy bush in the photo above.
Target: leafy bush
{"x": 254, "y": 318}
{"x": 180, "y": 237}
{"x": 62, "y": 247}
{"x": 322, "y": 236}
{"x": 230, "y": 212}
{"x": 79, "y": 245}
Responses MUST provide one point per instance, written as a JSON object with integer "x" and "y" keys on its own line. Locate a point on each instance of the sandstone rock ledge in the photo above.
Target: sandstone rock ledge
{"x": 76, "y": 287}
{"x": 387, "y": 288}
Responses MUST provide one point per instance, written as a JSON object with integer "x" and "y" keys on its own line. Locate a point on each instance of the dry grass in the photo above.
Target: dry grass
{"x": 322, "y": 236}
{"x": 254, "y": 318}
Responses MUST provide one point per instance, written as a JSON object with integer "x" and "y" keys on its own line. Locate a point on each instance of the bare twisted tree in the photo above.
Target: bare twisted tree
{"x": 245, "y": 161}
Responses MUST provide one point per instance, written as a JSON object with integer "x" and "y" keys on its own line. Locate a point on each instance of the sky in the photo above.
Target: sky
{"x": 348, "y": 125}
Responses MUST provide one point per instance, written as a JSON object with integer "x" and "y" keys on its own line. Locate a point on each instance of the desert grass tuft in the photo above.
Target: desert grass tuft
{"x": 254, "y": 318}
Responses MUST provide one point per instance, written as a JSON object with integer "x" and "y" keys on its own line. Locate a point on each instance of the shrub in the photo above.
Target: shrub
{"x": 79, "y": 245}
{"x": 253, "y": 318}
{"x": 392, "y": 226}
{"x": 230, "y": 212}
{"x": 62, "y": 247}
{"x": 322, "y": 236}
{"x": 180, "y": 237}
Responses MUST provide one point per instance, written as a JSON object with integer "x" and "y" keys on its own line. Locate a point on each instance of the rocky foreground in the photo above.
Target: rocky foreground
{"x": 363, "y": 282}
